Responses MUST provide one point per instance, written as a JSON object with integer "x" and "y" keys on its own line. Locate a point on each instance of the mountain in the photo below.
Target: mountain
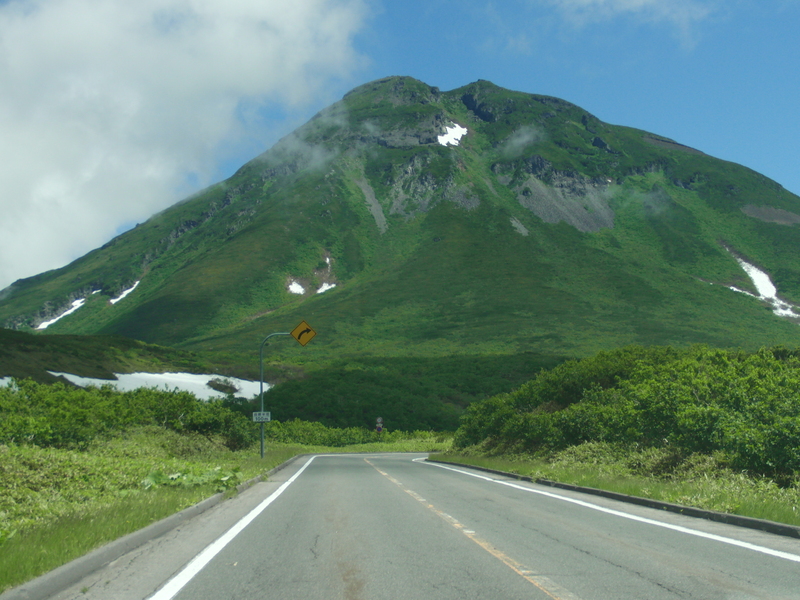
{"x": 23, "y": 355}
{"x": 404, "y": 222}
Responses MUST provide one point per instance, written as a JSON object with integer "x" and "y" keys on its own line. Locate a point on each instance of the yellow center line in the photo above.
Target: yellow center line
{"x": 545, "y": 584}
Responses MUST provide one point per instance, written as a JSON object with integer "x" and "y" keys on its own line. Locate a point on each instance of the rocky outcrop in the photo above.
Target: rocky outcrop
{"x": 481, "y": 110}
{"x": 415, "y": 189}
{"x": 556, "y": 196}
{"x": 461, "y": 195}
{"x": 375, "y": 208}
{"x": 423, "y": 133}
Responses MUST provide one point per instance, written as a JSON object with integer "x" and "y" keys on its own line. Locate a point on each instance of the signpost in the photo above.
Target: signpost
{"x": 303, "y": 334}
{"x": 379, "y": 424}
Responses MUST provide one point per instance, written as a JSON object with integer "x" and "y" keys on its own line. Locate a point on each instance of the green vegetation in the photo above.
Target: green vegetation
{"x": 408, "y": 393}
{"x": 545, "y": 234}
{"x": 61, "y": 416}
{"x": 79, "y": 468}
{"x": 443, "y": 271}
{"x": 718, "y": 429}
{"x": 24, "y": 355}
{"x": 702, "y": 481}
{"x": 744, "y": 406}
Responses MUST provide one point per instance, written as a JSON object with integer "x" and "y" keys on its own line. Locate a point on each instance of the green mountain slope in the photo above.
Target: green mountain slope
{"x": 545, "y": 230}
{"x": 23, "y": 355}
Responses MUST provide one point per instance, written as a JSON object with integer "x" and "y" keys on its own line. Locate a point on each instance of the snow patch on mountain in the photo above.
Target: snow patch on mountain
{"x": 185, "y": 382}
{"x": 325, "y": 287}
{"x": 296, "y": 288}
{"x": 123, "y": 294}
{"x": 767, "y": 291}
{"x": 75, "y": 306}
{"x": 453, "y": 135}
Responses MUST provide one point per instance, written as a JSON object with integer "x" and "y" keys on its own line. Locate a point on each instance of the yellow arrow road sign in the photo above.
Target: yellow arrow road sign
{"x": 303, "y": 333}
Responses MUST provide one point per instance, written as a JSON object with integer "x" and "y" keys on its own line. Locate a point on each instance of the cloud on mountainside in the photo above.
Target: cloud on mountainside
{"x": 520, "y": 139}
{"x": 108, "y": 108}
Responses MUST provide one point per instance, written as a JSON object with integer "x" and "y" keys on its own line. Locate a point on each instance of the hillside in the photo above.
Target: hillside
{"x": 543, "y": 230}
{"x": 23, "y": 355}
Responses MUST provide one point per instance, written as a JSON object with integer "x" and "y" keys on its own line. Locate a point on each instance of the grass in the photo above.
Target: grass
{"x": 698, "y": 481}
{"x": 25, "y": 355}
{"x": 39, "y": 549}
{"x": 79, "y": 501}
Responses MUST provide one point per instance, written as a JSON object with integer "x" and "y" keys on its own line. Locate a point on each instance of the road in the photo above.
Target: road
{"x": 393, "y": 527}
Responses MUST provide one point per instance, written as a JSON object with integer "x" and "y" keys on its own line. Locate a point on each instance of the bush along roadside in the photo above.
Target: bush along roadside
{"x": 742, "y": 407}
{"x": 712, "y": 429}
{"x": 61, "y": 416}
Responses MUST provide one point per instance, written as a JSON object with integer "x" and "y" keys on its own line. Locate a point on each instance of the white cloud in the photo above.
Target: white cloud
{"x": 108, "y": 106}
{"x": 681, "y": 14}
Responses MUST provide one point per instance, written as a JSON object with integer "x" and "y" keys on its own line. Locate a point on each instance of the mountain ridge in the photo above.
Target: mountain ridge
{"x": 591, "y": 227}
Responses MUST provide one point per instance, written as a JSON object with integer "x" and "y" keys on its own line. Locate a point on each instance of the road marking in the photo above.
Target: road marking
{"x": 546, "y": 585}
{"x": 194, "y": 566}
{"x": 611, "y": 511}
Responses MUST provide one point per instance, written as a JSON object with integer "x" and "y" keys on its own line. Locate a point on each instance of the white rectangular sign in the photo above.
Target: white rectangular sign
{"x": 261, "y": 417}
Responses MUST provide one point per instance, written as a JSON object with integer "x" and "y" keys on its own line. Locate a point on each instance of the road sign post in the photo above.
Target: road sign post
{"x": 303, "y": 334}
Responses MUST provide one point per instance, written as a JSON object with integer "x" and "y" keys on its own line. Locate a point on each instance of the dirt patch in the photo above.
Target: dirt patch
{"x": 373, "y": 205}
{"x": 771, "y": 215}
{"x": 572, "y": 199}
{"x": 670, "y": 145}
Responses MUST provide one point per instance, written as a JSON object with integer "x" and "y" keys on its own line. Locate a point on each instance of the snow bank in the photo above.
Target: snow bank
{"x": 766, "y": 290}
{"x": 185, "y": 382}
{"x": 325, "y": 287}
{"x": 296, "y": 288}
{"x": 453, "y": 135}
{"x": 123, "y": 294}
{"x": 75, "y": 306}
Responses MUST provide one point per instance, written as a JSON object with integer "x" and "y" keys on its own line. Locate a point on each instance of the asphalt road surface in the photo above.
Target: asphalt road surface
{"x": 393, "y": 527}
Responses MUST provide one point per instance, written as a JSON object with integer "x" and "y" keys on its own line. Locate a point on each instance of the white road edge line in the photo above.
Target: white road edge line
{"x": 194, "y": 566}
{"x": 624, "y": 515}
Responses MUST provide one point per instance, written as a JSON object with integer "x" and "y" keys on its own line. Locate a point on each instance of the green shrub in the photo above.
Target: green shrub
{"x": 61, "y": 416}
{"x": 310, "y": 433}
{"x": 700, "y": 400}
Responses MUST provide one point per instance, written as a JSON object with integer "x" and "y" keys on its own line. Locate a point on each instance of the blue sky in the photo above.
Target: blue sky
{"x": 723, "y": 76}
{"x": 110, "y": 114}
